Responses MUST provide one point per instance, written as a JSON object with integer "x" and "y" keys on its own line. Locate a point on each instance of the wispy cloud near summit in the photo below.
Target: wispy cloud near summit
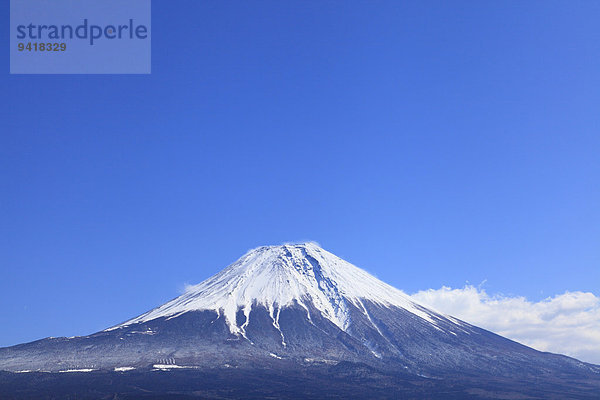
{"x": 568, "y": 323}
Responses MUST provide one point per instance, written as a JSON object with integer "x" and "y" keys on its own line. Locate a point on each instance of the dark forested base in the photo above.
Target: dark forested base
{"x": 342, "y": 381}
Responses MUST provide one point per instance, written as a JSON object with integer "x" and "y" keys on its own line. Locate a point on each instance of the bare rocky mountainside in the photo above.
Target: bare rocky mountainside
{"x": 291, "y": 321}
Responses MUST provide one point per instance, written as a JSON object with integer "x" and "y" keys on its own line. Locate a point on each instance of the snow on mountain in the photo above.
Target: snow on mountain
{"x": 278, "y": 276}
{"x": 297, "y": 309}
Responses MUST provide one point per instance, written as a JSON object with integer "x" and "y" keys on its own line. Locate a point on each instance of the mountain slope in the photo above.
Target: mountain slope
{"x": 298, "y": 306}
{"x": 276, "y": 277}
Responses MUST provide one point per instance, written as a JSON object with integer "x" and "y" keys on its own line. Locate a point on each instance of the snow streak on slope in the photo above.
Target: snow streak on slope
{"x": 279, "y": 276}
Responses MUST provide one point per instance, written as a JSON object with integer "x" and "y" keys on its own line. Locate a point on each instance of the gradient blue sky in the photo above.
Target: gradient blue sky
{"x": 431, "y": 144}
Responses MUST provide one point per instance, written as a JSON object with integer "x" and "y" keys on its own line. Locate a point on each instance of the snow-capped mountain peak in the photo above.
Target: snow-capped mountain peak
{"x": 279, "y": 276}
{"x": 297, "y": 309}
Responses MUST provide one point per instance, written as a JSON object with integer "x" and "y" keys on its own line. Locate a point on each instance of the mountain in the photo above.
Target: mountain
{"x": 300, "y": 316}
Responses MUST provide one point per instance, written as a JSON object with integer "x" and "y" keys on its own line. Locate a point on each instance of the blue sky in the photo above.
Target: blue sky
{"x": 431, "y": 144}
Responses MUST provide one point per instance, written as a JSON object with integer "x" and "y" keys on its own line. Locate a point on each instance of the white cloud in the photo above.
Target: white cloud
{"x": 185, "y": 288}
{"x": 568, "y": 323}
